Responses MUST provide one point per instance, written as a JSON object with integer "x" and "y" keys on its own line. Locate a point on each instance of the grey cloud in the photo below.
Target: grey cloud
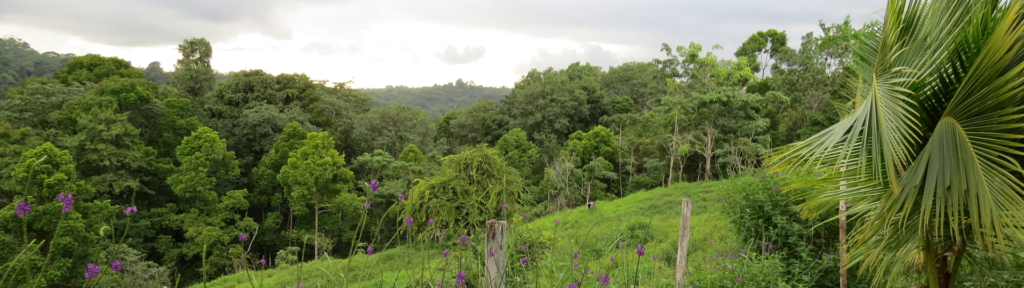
{"x": 587, "y": 53}
{"x": 451, "y": 55}
{"x": 151, "y": 22}
{"x": 643, "y": 23}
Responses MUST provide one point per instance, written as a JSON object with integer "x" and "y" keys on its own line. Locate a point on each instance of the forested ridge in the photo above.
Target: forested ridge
{"x": 138, "y": 177}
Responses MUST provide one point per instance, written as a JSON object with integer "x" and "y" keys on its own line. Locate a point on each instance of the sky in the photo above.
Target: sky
{"x": 411, "y": 42}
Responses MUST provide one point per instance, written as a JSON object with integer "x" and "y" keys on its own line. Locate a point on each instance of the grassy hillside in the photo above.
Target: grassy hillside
{"x": 650, "y": 218}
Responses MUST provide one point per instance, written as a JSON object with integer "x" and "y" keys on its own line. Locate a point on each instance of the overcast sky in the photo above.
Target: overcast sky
{"x": 410, "y": 42}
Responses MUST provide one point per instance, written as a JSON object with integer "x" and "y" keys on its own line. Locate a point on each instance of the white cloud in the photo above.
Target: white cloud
{"x": 407, "y": 42}
{"x": 451, "y": 55}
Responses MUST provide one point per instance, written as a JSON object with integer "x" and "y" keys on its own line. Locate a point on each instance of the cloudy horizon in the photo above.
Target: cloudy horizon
{"x": 410, "y": 43}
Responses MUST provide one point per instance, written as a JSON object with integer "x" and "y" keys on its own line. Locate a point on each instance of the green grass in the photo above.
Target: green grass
{"x": 594, "y": 234}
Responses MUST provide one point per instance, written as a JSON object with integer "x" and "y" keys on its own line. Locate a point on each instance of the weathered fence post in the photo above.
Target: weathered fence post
{"x": 494, "y": 263}
{"x": 684, "y": 243}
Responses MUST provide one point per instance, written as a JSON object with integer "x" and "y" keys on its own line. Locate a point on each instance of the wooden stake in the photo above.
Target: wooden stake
{"x": 684, "y": 243}
{"x": 494, "y": 263}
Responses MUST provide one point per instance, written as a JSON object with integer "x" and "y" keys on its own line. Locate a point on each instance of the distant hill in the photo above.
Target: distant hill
{"x": 438, "y": 99}
{"x": 19, "y": 61}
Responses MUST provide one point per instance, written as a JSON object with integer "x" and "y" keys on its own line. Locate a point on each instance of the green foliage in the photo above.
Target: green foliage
{"x": 761, "y": 48}
{"x": 193, "y": 74}
{"x": 519, "y": 153}
{"x": 19, "y": 62}
{"x": 549, "y": 105}
{"x": 925, "y": 153}
{"x": 480, "y": 123}
{"x": 392, "y": 128}
{"x": 469, "y": 189}
{"x": 15, "y": 142}
{"x": 315, "y": 173}
{"x": 586, "y": 147}
{"x": 154, "y": 73}
{"x": 438, "y": 99}
{"x": 412, "y": 155}
{"x": 32, "y": 105}
{"x": 95, "y": 68}
{"x": 641, "y": 82}
{"x": 207, "y": 218}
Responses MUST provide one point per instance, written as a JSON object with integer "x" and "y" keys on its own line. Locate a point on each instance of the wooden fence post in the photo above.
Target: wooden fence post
{"x": 494, "y": 263}
{"x": 684, "y": 243}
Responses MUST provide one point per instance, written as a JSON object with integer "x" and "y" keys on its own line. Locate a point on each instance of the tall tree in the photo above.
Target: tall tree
{"x": 392, "y": 128}
{"x": 193, "y": 74}
{"x": 95, "y": 68}
{"x": 314, "y": 173}
{"x": 155, "y": 73}
{"x": 18, "y": 61}
{"x": 929, "y": 156}
{"x": 551, "y": 104}
{"x": 206, "y": 216}
{"x": 642, "y": 82}
{"x": 519, "y": 153}
{"x": 762, "y": 48}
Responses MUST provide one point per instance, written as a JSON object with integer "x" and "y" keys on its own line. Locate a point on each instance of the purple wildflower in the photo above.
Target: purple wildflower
{"x": 775, "y": 189}
{"x": 575, "y": 265}
{"x": 523, "y": 260}
{"x": 116, "y": 266}
{"x": 130, "y": 209}
{"x": 739, "y": 279}
{"x": 242, "y": 237}
{"x": 525, "y": 216}
{"x": 504, "y": 206}
{"x": 605, "y": 280}
{"x": 558, "y": 222}
{"x": 576, "y": 255}
{"x": 91, "y": 270}
{"x": 572, "y": 285}
{"x": 522, "y": 247}
{"x": 492, "y": 254}
{"x": 263, "y": 261}
{"x": 408, "y": 221}
{"x": 711, "y": 240}
{"x": 374, "y": 185}
{"x": 22, "y": 209}
{"x": 430, "y": 222}
{"x": 366, "y": 205}
{"x": 461, "y": 280}
{"x": 462, "y": 240}
{"x": 640, "y": 250}
{"x": 68, "y": 200}
{"x": 445, "y": 253}
{"x": 654, "y": 257}
{"x": 401, "y": 197}
{"x": 612, "y": 260}
{"x": 369, "y": 250}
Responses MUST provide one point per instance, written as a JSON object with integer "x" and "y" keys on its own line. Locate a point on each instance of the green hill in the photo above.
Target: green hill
{"x": 438, "y": 99}
{"x": 650, "y": 217}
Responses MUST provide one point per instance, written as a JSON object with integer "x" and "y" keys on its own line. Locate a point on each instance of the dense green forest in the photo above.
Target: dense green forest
{"x": 138, "y": 177}
{"x": 438, "y": 99}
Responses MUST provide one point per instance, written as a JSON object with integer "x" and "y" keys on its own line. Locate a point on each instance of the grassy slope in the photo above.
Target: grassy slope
{"x": 596, "y": 233}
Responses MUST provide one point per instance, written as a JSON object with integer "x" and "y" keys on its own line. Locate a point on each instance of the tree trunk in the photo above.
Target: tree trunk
{"x": 709, "y": 142}
{"x": 684, "y": 243}
{"x": 672, "y": 150}
{"x": 316, "y": 228}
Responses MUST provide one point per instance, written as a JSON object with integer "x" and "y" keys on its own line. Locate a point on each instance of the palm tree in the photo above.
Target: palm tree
{"x": 929, "y": 155}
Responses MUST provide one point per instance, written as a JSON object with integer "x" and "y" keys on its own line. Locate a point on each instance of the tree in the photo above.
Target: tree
{"x": 551, "y": 104}
{"x": 642, "y": 82}
{"x": 761, "y": 48}
{"x": 205, "y": 218}
{"x": 392, "y": 128}
{"x": 32, "y": 106}
{"x": 55, "y": 237}
{"x": 929, "y": 154}
{"x": 481, "y": 123}
{"x": 586, "y": 147}
{"x": 193, "y": 74}
{"x": 412, "y": 155}
{"x": 713, "y": 96}
{"x": 470, "y": 188}
{"x": 155, "y": 73}
{"x": 18, "y": 62}
{"x": 519, "y": 153}
{"x": 94, "y": 68}
{"x": 315, "y": 172}
{"x": 13, "y": 142}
